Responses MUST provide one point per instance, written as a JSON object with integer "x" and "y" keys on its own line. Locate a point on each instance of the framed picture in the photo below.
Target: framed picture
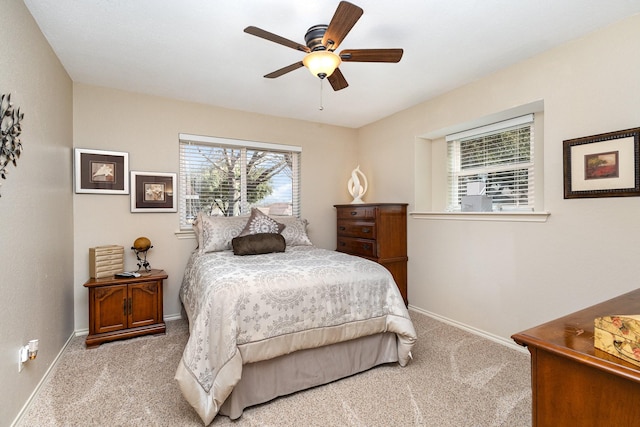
{"x": 605, "y": 165}
{"x": 101, "y": 172}
{"x": 153, "y": 192}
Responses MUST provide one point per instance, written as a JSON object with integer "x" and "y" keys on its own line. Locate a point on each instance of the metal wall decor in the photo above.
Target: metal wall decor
{"x": 10, "y": 129}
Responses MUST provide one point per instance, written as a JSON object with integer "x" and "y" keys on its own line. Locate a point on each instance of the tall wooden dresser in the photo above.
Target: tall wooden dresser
{"x": 376, "y": 231}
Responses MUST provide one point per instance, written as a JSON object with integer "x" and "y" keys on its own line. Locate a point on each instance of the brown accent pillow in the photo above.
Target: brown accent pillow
{"x": 256, "y": 244}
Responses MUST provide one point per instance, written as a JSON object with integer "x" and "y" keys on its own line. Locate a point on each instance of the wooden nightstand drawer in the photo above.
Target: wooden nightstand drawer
{"x": 362, "y": 247}
{"x": 365, "y": 229}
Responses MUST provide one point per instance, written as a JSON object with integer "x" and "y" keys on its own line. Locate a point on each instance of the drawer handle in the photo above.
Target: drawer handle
{"x": 354, "y": 213}
{"x": 341, "y": 228}
{"x": 342, "y": 244}
{"x": 366, "y": 246}
{"x": 366, "y": 230}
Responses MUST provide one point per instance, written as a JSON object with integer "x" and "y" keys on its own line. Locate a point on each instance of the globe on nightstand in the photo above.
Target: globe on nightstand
{"x": 140, "y": 246}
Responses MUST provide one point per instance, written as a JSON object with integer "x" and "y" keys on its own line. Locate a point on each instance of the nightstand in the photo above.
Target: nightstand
{"x": 125, "y": 307}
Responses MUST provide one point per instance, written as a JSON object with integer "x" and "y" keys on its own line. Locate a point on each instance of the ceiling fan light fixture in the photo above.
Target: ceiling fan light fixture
{"x": 321, "y": 63}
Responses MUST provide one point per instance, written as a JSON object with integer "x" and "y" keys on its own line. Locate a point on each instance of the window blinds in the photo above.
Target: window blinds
{"x": 499, "y": 155}
{"x": 229, "y": 177}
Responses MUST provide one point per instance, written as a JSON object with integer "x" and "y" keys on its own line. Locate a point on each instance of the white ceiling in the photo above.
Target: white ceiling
{"x": 196, "y": 50}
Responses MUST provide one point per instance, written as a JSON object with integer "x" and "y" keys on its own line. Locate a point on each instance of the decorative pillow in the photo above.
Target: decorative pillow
{"x": 261, "y": 223}
{"x": 295, "y": 231}
{"x": 217, "y": 231}
{"x": 259, "y": 243}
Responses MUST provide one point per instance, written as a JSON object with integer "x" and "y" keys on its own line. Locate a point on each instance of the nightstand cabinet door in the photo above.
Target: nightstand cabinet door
{"x": 143, "y": 308}
{"x": 125, "y": 307}
{"x": 376, "y": 231}
{"x": 110, "y": 308}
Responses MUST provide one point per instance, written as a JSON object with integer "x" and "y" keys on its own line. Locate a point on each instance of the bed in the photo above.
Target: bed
{"x": 276, "y": 322}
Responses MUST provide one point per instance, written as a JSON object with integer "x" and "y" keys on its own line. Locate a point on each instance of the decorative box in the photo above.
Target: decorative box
{"x": 479, "y": 203}
{"x": 619, "y": 336}
{"x": 105, "y": 261}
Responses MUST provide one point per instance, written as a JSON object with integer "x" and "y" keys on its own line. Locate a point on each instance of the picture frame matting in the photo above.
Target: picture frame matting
{"x": 604, "y": 165}
{"x": 153, "y": 191}
{"x": 101, "y": 171}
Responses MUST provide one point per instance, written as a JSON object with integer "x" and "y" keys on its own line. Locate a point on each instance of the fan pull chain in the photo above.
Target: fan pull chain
{"x": 321, "y": 106}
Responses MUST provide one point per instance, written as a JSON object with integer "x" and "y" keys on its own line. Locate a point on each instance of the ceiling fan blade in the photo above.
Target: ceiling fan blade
{"x": 371, "y": 55}
{"x": 258, "y": 32}
{"x": 337, "y": 80}
{"x": 343, "y": 20}
{"x": 284, "y": 70}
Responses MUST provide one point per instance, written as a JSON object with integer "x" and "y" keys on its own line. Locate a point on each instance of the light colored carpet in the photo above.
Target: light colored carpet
{"x": 456, "y": 379}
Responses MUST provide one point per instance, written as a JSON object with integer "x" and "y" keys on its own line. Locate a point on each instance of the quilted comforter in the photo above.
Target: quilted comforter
{"x": 244, "y": 309}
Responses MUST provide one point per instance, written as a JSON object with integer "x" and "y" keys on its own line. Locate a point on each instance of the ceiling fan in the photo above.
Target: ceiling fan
{"x": 321, "y": 42}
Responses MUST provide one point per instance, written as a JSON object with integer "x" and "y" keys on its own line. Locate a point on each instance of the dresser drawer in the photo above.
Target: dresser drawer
{"x": 354, "y": 246}
{"x": 357, "y": 212}
{"x": 366, "y": 229}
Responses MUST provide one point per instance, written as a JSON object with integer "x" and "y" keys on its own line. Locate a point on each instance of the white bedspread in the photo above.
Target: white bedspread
{"x": 244, "y": 309}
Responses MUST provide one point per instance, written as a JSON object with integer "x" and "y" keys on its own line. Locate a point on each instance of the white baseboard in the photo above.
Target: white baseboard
{"x": 41, "y": 382}
{"x": 171, "y": 317}
{"x": 471, "y": 329}
{"x": 76, "y": 333}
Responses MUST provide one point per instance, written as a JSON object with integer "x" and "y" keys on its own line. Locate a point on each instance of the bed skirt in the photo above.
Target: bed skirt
{"x": 265, "y": 380}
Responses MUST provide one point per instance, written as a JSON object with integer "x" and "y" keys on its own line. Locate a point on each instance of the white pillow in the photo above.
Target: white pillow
{"x": 214, "y": 233}
{"x": 295, "y": 230}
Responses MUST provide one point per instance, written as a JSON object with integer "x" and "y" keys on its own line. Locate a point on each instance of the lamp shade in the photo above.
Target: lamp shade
{"x": 322, "y": 63}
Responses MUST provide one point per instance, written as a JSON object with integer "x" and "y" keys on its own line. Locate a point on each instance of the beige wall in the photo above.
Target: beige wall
{"x": 36, "y": 216}
{"x": 514, "y": 275}
{"x": 502, "y": 277}
{"x": 147, "y": 128}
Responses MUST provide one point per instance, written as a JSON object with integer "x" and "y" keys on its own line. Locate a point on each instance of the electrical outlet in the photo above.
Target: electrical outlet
{"x": 27, "y": 352}
{"x": 23, "y": 356}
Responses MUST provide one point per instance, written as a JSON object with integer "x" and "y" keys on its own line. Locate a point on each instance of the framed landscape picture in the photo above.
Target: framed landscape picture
{"x": 153, "y": 192}
{"x": 101, "y": 172}
{"x": 605, "y": 165}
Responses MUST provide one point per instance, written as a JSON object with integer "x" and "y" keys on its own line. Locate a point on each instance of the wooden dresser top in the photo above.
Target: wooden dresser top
{"x": 572, "y": 335}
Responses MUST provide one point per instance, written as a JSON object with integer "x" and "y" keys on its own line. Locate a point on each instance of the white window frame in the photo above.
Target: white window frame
{"x": 184, "y": 138}
{"x": 456, "y": 172}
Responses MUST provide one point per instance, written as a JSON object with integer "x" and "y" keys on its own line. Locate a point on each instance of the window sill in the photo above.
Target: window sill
{"x": 185, "y": 234}
{"x": 484, "y": 216}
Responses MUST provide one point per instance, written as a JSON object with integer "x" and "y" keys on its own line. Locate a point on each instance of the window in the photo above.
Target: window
{"x": 229, "y": 177}
{"x": 501, "y": 157}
